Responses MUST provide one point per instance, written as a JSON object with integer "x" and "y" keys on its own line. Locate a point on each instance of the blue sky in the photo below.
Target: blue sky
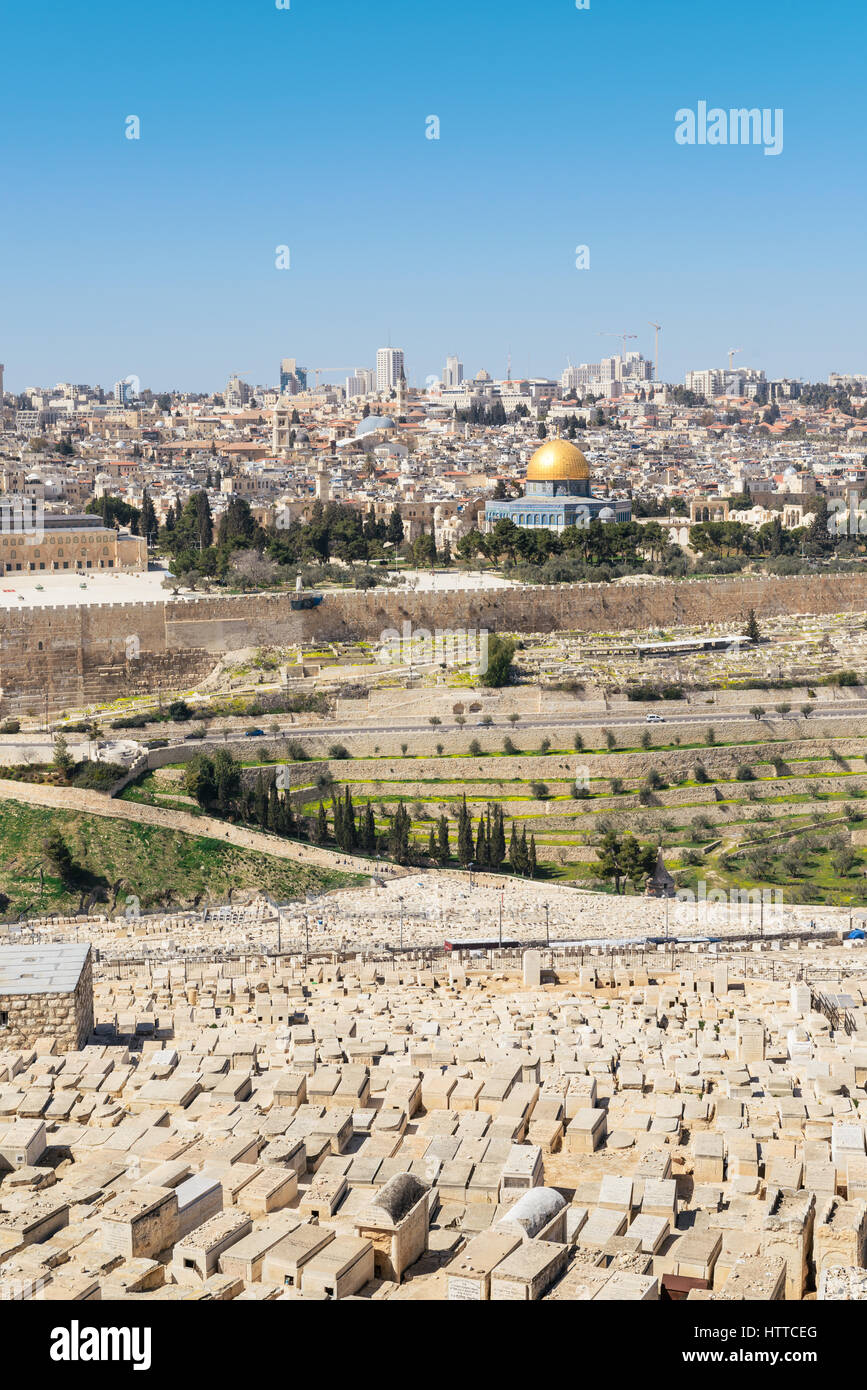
{"x": 306, "y": 127}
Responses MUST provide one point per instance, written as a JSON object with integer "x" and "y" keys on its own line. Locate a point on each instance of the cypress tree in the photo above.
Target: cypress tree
{"x": 337, "y": 817}
{"x": 465, "y": 834}
{"x": 481, "y": 844}
{"x": 260, "y": 806}
{"x": 531, "y": 864}
{"x": 431, "y": 844}
{"x": 321, "y": 825}
{"x": 369, "y": 832}
{"x": 497, "y": 843}
{"x": 273, "y": 811}
{"x": 443, "y": 851}
{"x": 350, "y": 834}
{"x": 523, "y": 853}
{"x": 514, "y": 851}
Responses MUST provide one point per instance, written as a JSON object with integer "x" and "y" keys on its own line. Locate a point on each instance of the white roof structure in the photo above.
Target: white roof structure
{"x": 41, "y": 969}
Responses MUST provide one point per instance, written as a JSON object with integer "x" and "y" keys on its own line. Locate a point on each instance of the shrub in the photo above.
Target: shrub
{"x": 295, "y": 751}
{"x": 509, "y": 747}
{"x": 745, "y": 773}
{"x": 338, "y": 750}
{"x": 476, "y": 748}
{"x": 540, "y": 790}
{"x": 10, "y": 726}
{"x": 179, "y": 710}
{"x": 134, "y": 721}
{"x": 700, "y": 773}
{"x": 95, "y": 776}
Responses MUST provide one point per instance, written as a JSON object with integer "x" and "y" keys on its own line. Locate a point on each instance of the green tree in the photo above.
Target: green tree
{"x": 58, "y": 856}
{"x": 368, "y": 831}
{"x": 501, "y": 650}
{"x": 481, "y": 845}
{"x": 443, "y": 849}
{"x": 62, "y": 759}
{"x": 149, "y": 524}
{"x": 200, "y": 780}
{"x": 752, "y": 628}
{"x": 609, "y": 856}
{"x": 465, "y": 834}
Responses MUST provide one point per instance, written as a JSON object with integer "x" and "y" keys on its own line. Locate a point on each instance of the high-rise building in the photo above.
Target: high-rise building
{"x": 706, "y": 383}
{"x": 454, "y": 372}
{"x": 124, "y": 392}
{"x": 389, "y": 368}
{"x": 636, "y": 368}
{"x": 292, "y": 377}
{"x": 237, "y": 392}
{"x": 361, "y": 383}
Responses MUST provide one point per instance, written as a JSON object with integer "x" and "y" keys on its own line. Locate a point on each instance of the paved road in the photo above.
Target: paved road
{"x": 710, "y": 715}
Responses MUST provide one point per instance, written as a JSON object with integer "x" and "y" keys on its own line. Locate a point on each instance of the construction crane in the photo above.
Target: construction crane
{"x": 731, "y": 355}
{"x": 320, "y": 370}
{"x": 657, "y": 326}
{"x": 624, "y": 336}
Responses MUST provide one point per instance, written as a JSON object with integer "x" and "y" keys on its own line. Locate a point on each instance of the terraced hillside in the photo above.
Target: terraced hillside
{"x": 769, "y": 802}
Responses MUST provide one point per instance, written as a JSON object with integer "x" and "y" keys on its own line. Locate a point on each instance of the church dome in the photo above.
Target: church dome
{"x": 558, "y": 460}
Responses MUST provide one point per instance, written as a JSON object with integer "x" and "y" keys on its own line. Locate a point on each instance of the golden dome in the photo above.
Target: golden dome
{"x": 558, "y": 460}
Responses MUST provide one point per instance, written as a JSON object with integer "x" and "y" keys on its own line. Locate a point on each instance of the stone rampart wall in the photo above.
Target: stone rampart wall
{"x": 73, "y": 654}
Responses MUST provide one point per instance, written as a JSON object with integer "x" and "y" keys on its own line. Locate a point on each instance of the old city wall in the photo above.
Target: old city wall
{"x": 68, "y": 656}
{"x": 73, "y": 655}
{"x": 585, "y": 607}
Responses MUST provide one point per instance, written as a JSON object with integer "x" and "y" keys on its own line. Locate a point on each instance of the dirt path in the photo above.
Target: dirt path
{"x": 96, "y": 804}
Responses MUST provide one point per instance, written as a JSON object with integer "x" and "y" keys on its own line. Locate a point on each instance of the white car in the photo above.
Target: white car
{"x": 653, "y": 719}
